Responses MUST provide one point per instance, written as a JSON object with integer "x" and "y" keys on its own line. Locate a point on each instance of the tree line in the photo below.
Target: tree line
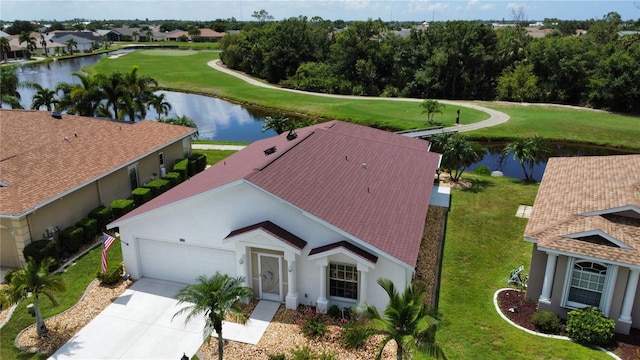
{"x": 447, "y": 60}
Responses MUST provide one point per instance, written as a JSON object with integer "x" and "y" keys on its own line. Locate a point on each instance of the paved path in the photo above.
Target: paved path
{"x": 217, "y": 147}
{"x": 495, "y": 117}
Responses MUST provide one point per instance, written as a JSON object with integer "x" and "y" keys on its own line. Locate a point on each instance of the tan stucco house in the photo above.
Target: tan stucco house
{"x": 54, "y": 171}
{"x": 585, "y": 227}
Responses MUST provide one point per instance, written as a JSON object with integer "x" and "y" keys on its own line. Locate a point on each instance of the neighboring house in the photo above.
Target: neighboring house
{"x": 53, "y": 172}
{"x": 82, "y": 43}
{"x": 110, "y": 35}
{"x": 585, "y": 226}
{"x": 313, "y": 217}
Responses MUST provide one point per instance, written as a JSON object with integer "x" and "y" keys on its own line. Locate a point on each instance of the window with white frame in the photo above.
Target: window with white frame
{"x": 343, "y": 281}
{"x": 587, "y": 284}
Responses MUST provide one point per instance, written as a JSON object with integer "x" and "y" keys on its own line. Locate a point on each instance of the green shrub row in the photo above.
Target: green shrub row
{"x": 41, "y": 249}
{"x": 190, "y": 166}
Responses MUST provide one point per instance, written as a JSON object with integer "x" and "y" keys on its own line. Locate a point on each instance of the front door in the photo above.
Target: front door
{"x": 270, "y": 277}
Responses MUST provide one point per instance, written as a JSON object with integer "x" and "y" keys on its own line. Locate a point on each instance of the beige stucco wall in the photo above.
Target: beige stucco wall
{"x": 536, "y": 273}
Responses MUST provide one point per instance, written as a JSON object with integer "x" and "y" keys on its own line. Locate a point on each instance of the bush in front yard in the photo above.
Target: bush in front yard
{"x": 102, "y": 214}
{"x": 157, "y": 186}
{"x": 121, "y": 207}
{"x": 590, "y": 326}
{"x": 111, "y": 276}
{"x": 546, "y": 321}
{"x": 314, "y": 324}
{"x": 90, "y": 227}
{"x": 72, "y": 238}
{"x": 40, "y": 250}
{"x": 141, "y": 195}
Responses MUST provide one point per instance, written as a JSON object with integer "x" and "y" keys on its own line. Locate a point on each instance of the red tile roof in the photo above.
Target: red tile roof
{"x": 43, "y": 158}
{"x": 370, "y": 183}
{"x": 593, "y": 194}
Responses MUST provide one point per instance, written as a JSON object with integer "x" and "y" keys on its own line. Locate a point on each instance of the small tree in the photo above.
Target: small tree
{"x": 35, "y": 279}
{"x": 431, "y": 107}
{"x": 529, "y": 151}
{"x": 279, "y": 122}
{"x": 215, "y": 297}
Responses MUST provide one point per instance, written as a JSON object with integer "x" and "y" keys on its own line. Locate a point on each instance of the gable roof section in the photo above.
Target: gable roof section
{"x": 345, "y": 245}
{"x": 370, "y": 183}
{"x": 42, "y": 158}
{"x": 274, "y": 230}
{"x": 587, "y": 196}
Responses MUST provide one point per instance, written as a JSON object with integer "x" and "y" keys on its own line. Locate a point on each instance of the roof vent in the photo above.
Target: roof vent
{"x": 292, "y": 135}
{"x": 56, "y": 115}
{"x": 270, "y": 150}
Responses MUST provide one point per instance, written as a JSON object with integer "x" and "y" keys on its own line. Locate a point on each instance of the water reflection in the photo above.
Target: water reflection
{"x": 510, "y": 167}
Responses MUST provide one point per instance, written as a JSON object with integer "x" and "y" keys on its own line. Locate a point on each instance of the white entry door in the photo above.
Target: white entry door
{"x": 270, "y": 277}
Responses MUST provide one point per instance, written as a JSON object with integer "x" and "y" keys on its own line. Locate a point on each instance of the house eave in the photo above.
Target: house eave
{"x": 587, "y": 257}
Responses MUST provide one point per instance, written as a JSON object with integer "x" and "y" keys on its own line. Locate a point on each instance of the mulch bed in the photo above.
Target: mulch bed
{"x": 627, "y": 347}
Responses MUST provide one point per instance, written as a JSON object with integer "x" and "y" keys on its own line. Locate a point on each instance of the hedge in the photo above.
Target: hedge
{"x": 102, "y": 214}
{"x": 200, "y": 161}
{"x": 71, "y": 238}
{"x": 141, "y": 195}
{"x": 191, "y": 167}
{"x": 90, "y": 227}
{"x": 41, "y": 249}
{"x": 157, "y": 186}
{"x": 119, "y": 207}
{"x": 111, "y": 276}
{"x": 181, "y": 168}
{"x": 173, "y": 177}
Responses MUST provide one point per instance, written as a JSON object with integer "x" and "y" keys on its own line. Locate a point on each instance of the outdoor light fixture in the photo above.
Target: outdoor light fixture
{"x": 184, "y": 357}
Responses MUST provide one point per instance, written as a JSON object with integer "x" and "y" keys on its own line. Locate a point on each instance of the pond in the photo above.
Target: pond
{"x": 496, "y": 160}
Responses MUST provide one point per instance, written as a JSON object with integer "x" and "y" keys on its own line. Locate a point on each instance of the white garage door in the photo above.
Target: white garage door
{"x": 182, "y": 263}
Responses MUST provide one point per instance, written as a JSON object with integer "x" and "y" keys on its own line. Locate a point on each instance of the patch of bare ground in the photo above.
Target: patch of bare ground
{"x": 627, "y": 347}
{"x": 64, "y": 326}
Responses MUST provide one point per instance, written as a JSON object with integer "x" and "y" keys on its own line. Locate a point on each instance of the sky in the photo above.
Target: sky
{"x": 386, "y": 10}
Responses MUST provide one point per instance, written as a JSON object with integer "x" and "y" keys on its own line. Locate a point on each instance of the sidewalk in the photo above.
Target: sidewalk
{"x": 217, "y": 147}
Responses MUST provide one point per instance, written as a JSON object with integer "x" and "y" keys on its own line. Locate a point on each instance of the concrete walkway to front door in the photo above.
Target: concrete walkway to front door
{"x": 139, "y": 325}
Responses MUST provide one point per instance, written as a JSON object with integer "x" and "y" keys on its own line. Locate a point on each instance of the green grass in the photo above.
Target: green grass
{"x": 565, "y": 124}
{"x": 192, "y": 74}
{"x": 215, "y": 156}
{"x": 78, "y": 277}
{"x": 483, "y": 243}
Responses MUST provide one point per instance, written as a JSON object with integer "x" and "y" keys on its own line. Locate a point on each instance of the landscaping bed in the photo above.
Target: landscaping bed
{"x": 627, "y": 347}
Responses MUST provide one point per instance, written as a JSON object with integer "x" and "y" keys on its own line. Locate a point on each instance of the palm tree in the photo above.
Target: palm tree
{"x": 182, "y": 121}
{"x": 9, "y": 88}
{"x": 135, "y": 35}
{"x": 43, "y": 42}
{"x": 35, "y": 279}
{"x": 71, "y": 43}
{"x": 42, "y": 97}
{"x": 529, "y": 151}
{"x": 113, "y": 90}
{"x": 214, "y": 297}
{"x": 407, "y": 320}
{"x": 279, "y": 122}
{"x": 25, "y": 37}
{"x": 5, "y": 48}
{"x": 139, "y": 93}
{"x": 458, "y": 153}
{"x": 160, "y": 104}
{"x": 80, "y": 99}
{"x": 431, "y": 107}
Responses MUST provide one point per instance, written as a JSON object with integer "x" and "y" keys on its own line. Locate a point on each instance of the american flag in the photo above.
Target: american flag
{"x": 107, "y": 241}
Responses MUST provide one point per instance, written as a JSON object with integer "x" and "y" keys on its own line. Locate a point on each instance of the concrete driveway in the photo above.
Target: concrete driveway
{"x": 138, "y": 325}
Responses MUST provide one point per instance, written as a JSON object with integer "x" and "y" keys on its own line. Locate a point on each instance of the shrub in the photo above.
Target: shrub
{"x": 90, "y": 227}
{"x": 590, "y": 326}
{"x": 546, "y": 321}
{"x": 354, "y": 334}
{"x": 277, "y": 357}
{"x": 141, "y": 195}
{"x": 157, "y": 186}
{"x": 191, "y": 167}
{"x": 71, "y": 238}
{"x": 111, "y": 276}
{"x": 173, "y": 178}
{"x": 102, "y": 214}
{"x": 314, "y": 325}
{"x": 119, "y": 207}
{"x": 9, "y": 274}
{"x": 482, "y": 170}
{"x": 40, "y": 250}
{"x": 334, "y": 312}
{"x": 200, "y": 161}
{"x": 181, "y": 168}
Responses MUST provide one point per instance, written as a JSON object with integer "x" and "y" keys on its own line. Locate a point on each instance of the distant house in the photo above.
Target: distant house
{"x": 311, "y": 217}
{"x": 85, "y": 40}
{"x": 206, "y": 35}
{"x": 585, "y": 227}
{"x": 53, "y": 172}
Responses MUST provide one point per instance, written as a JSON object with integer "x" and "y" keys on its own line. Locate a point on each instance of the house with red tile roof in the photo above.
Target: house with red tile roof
{"x": 585, "y": 227}
{"x": 55, "y": 170}
{"x": 311, "y": 217}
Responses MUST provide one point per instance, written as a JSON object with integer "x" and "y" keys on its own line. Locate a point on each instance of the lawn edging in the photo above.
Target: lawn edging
{"x": 497, "y": 306}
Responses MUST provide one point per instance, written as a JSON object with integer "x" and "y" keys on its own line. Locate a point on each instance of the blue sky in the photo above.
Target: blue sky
{"x": 410, "y": 10}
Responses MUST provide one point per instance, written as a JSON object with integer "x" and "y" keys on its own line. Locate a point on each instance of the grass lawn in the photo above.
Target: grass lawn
{"x": 191, "y": 73}
{"x": 78, "y": 277}
{"x": 483, "y": 243}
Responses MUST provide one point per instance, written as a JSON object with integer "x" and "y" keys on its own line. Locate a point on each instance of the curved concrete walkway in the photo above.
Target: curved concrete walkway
{"x": 495, "y": 117}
